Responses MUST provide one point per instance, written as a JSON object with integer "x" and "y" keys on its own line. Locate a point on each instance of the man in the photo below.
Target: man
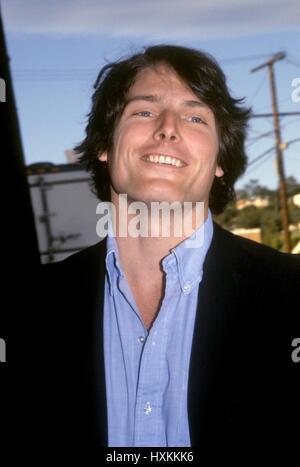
{"x": 144, "y": 341}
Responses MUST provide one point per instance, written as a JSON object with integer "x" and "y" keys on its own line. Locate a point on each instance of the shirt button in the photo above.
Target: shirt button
{"x": 141, "y": 339}
{"x": 147, "y": 408}
{"x": 187, "y": 287}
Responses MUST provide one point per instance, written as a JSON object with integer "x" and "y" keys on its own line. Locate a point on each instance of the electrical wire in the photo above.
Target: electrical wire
{"x": 260, "y": 85}
{"x": 252, "y": 140}
{"x": 268, "y": 153}
{"x": 291, "y": 62}
{"x": 58, "y": 74}
{"x": 258, "y": 165}
{"x": 245, "y": 58}
{"x": 258, "y": 138}
{"x": 256, "y": 159}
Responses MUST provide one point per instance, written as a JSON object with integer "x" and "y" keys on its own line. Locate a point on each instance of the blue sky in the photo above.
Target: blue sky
{"x": 56, "y": 49}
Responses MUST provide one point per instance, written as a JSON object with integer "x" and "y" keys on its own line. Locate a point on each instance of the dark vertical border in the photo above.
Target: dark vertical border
{"x": 18, "y": 247}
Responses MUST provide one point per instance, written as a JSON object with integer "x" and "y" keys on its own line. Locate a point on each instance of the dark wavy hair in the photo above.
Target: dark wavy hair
{"x": 204, "y": 77}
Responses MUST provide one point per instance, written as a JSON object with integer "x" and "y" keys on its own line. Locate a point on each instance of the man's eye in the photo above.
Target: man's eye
{"x": 195, "y": 119}
{"x": 143, "y": 113}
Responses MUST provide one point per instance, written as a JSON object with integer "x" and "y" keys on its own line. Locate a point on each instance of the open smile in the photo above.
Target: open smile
{"x": 164, "y": 159}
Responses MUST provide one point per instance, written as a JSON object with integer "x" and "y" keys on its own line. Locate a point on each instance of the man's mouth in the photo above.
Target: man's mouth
{"x": 164, "y": 159}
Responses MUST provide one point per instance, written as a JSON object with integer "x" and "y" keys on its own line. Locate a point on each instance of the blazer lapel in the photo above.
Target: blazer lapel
{"x": 89, "y": 304}
{"x": 218, "y": 296}
{"x": 98, "y": 394}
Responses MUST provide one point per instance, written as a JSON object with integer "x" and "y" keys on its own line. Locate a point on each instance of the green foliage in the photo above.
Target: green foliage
{"x": 227, "y": 218}
{"x": 253, "y": 190}
{"x": 248, "y": 218}
{"x": 268, "y": 218}
{"x": 294, "y": 212}
{"x": 292, "y": 186}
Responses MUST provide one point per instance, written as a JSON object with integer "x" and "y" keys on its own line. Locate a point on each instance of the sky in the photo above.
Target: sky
{"x": 57, "y": 48}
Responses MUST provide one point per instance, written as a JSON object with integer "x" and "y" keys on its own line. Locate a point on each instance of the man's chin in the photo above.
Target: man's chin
{"x": 148, "y": 200}
{"x": 148, "y": 195}
{"x": 155, "y": 196}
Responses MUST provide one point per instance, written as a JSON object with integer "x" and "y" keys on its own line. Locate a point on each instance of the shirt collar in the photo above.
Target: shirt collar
{"x": 188, "y": 257}
{"x": 186, "y": 260}
{"x": 112, "y": 260}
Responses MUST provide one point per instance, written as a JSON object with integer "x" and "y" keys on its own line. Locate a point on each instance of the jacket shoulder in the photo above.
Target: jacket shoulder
{"x": 73, "y": 274}
{"x": 258, "y": 265}
{"x": 88, "y": 256}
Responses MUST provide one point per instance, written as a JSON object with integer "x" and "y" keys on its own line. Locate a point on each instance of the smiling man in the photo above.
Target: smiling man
{"x": 158, "y": 344}
{"x": 165, "y": 149}
{"x": 166, "y": 143}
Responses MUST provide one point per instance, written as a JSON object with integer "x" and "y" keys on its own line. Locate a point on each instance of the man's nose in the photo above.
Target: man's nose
{"x": 167, "y": 128}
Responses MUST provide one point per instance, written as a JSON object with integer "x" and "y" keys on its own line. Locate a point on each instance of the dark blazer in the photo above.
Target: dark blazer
{"x": 243, "y": 390}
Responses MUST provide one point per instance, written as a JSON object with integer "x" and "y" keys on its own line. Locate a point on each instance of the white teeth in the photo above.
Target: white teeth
{"x": 161, "y": 159}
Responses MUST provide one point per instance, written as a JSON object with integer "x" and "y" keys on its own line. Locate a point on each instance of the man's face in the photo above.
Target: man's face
{"x": 165, "y": 142}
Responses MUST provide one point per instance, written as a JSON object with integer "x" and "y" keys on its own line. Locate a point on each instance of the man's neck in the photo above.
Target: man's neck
{"x": 141, "y": 257}
{"x": 145, "y": 252}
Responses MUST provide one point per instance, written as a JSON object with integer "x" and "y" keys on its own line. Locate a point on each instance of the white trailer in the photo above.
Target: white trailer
{"x": 64, "y": 209}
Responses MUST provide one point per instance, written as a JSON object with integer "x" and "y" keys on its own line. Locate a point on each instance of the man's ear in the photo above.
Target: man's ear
{"x": 102, "y": 157}
{"x": 219, "y": 171}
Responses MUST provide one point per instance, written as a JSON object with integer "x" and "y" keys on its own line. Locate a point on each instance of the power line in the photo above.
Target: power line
{"x": 282, "y": 101}
{"x": 291, "y": 142}
{"x": 260, "y": 135}
{"x": 261, "y": 155}
{"x": 255, "y": 131}
{"x": 284, "y": 145}
{"x": 267, "y": 154}
{"x": 278, "y": 114}
{"x": 258, "y": 165}
{"x": 260, "y": 85}
{"x": 65, "y": 73}
{"x": 291, "y": 122}
{"x": 243, "y": 59}
{"x": 291, "y": 56}
{"x": 291, "y": 62}
{"x": 53, "y": 74}
{"x": 292, "y": 158}
{"x": 255, "y": 139}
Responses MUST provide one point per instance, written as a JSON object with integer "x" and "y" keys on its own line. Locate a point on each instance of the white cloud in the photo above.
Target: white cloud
{"x": 192, "y": 19}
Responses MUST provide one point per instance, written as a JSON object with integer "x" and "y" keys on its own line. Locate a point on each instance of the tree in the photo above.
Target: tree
{"x": 268, "y": 218}
{"x": 248, "y": 218}
{"x": 253, "y": 189}
{"x": 292, "y": 186}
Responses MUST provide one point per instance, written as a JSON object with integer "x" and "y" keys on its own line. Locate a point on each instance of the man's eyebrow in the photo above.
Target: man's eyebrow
{"x": 148, "y": 98}
{"x": 141, "y": 97}
{"x": 193, "y": 103}
{"x": 156, "y": 98}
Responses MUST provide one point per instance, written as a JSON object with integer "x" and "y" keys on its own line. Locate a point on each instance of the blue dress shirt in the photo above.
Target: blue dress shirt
{"x": 146, "y": 372}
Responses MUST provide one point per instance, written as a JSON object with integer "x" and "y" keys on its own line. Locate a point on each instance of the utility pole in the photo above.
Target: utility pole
{"x": 279, "y": 146}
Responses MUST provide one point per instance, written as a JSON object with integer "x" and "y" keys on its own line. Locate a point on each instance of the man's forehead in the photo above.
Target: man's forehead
{"x": 152, "y": 82}
{"x": 155, "y": 75}
{"x": 193, "y": 103}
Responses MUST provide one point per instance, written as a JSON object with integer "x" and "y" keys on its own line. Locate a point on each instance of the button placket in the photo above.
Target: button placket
{"x": 147, "y": 408}
{"x": 187, "y": 287}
